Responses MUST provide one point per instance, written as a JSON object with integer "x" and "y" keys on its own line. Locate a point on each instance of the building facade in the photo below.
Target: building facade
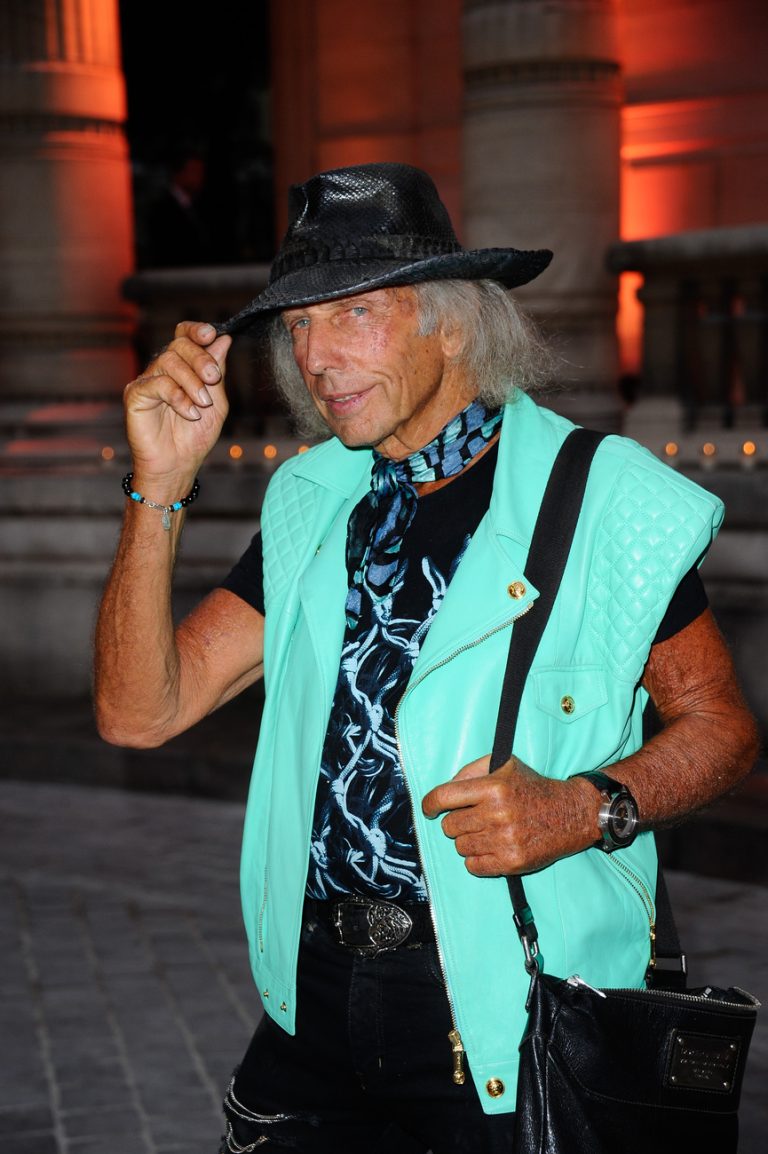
{"x": 630, "y": 136}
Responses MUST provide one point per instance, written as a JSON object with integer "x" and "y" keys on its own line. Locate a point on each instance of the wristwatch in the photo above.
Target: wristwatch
{"x": 618, "y": 818}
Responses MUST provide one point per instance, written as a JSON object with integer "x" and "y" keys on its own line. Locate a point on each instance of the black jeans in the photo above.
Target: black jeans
{"x": 369, "y": 1070}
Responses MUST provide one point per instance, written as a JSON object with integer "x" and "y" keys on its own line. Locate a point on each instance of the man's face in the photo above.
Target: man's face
{"x": 374, "y": 378}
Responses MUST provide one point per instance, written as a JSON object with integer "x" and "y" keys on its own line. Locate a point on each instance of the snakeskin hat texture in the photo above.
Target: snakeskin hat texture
{"x": 366, "y": 227}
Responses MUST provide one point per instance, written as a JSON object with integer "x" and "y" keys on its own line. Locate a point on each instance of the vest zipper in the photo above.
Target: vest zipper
{"x": 454, "y": 1037}
{"x": 640, "y": 888}
{"x": 262, "y": 910}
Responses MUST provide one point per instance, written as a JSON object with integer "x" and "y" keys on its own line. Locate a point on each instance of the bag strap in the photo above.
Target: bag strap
{"x": 547, "y": 557}
{"x": 670, "y": 967}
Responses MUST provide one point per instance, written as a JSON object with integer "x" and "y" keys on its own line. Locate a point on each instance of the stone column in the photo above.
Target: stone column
{"x": 65, "y": 203}
{"x": 541, "y": 170}
{"x": 356, "y": 81}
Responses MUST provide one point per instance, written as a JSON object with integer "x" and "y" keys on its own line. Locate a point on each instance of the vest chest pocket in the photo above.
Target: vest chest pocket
{"x": 569, "y": 694}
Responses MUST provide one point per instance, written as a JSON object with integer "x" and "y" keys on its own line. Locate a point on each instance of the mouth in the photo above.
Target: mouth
{"x": 344, "y": 403}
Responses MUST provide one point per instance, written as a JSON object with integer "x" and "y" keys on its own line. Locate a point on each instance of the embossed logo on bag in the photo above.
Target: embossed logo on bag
{"x": 702, "y": 1062}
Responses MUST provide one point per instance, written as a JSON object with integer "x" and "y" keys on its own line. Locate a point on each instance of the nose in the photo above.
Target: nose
{"x": 321, "y": 350}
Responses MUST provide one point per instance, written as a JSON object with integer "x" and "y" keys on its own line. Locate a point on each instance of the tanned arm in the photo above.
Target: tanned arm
{"x": 151, "y": 682}
{"x": 516, "y": 820}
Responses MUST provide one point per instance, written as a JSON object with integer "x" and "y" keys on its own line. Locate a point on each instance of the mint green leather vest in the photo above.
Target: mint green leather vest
{"x": 642, "y": 527}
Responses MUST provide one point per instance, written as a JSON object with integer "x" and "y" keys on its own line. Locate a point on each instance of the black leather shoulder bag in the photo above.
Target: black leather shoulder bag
{"x": 655, "y": 1069}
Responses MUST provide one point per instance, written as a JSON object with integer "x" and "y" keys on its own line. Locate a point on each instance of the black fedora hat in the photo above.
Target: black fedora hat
{"x": 361, "y": 228}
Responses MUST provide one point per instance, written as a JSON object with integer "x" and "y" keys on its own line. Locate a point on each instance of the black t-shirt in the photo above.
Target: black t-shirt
{"x": 363, "y": 838}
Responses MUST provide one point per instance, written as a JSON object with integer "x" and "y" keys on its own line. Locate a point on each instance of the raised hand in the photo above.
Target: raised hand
{"x": 175, "y": 410}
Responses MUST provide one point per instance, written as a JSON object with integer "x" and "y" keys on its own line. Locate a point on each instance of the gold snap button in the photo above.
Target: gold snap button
{"x": 495, "y": 1087}
{"x": 265, "y": 993}
{"x": 567, "y": 704}
{"x": 516, "y": 590}
{"x": 283, "y": 1007}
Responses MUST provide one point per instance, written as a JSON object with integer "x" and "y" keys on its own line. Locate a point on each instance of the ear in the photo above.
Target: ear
{"x": 452, "y": 342}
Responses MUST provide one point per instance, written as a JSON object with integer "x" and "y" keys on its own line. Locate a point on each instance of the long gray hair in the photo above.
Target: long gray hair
{"x": 501, "y": 349}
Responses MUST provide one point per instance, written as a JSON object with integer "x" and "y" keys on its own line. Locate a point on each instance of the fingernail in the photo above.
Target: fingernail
{"x": 212, "y": 374}
{"x": 204, "y": 397}
{"x": 194, "y": 412}
{"x": 206, "y": 331}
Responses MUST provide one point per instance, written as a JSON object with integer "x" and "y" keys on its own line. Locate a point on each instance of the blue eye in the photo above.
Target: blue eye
{"x": 359, "y": 310}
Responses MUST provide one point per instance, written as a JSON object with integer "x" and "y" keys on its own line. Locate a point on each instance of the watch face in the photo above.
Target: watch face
{"x": 622, "y": 819}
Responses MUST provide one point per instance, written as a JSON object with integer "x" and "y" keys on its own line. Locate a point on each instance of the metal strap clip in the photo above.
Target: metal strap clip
{"x": 529, "y": 937}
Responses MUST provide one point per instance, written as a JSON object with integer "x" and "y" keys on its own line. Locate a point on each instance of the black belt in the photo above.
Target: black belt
{"x": 369, "y": 926}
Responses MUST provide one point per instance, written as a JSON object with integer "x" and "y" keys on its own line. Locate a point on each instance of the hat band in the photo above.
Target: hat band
{"x": 365, "y": 248}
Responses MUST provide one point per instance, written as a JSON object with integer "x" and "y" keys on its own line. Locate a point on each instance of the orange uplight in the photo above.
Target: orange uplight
{"x": 629, "y": 323}
{"x": 235, "y": 452}
{"x": 671, "y": 448}
{"x": 302, "y": 448}
{"x": 749, "y": 448}
{"x": 708, "y": 449}
{"x": 270, "y": 452}
{"x": 107, "y": 453}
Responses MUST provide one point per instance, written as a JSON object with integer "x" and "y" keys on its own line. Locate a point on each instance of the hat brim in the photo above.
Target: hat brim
{"x": 330, "y": 280}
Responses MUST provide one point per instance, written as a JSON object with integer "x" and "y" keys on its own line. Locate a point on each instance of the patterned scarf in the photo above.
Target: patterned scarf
{"x": 381, "y": 519}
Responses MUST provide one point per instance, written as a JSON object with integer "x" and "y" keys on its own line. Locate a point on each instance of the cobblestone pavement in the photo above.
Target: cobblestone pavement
{"x": 125, "y": 997}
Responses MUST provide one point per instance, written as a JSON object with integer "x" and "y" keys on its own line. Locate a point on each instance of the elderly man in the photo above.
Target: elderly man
{"x": 379, "y": 600}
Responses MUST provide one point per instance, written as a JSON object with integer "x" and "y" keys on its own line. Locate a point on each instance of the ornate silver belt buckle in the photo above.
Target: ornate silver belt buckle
{"x": 388, "y": 926}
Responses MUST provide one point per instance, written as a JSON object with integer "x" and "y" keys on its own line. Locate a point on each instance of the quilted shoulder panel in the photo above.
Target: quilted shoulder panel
{"x": 655, "y": 526}
{"x": 290, "y": 510}
{"x": 301, "y": 501}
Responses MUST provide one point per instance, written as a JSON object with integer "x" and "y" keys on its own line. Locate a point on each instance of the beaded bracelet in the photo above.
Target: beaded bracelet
{"x": 167, "y": 509}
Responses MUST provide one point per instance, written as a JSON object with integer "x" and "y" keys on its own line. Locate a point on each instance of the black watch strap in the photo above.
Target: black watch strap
{"x": 602, "y": 781}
